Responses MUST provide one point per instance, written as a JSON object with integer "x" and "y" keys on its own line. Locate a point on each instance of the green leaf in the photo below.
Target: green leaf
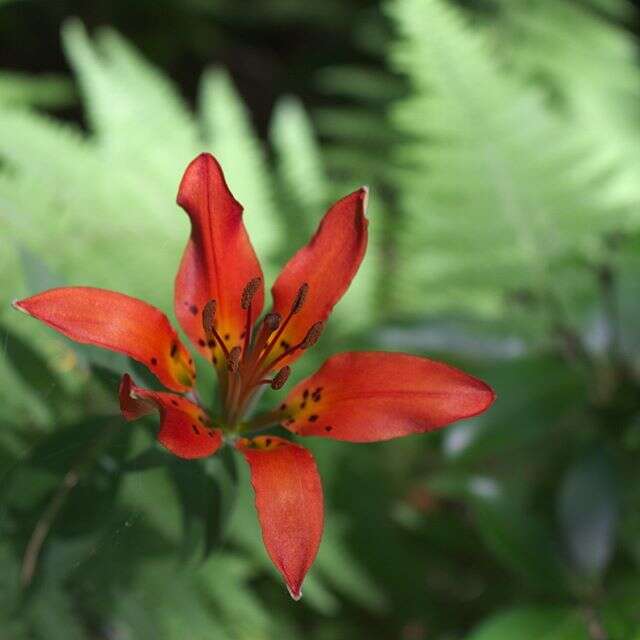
{"x": 207, "y": 491}
{"x": 520, "y": 541}
{"x": 588, "y": 509}
{"x": 33, "y": 368}
{"x": 532, "y": 623}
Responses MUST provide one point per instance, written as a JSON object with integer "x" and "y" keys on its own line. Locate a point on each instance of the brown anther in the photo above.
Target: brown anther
{"x": 301, "y": 296}
{"x": 280, "y": 378}
{"x": 249, "y": 292}
{"x": 208, "y": 316}
{"x": 272, "y": 321}
{"x": 233, "y": 360}
{"x": 313, "y": 335}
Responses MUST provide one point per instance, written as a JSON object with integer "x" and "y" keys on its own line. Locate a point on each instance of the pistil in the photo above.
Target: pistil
{"x": 248, "y": 366}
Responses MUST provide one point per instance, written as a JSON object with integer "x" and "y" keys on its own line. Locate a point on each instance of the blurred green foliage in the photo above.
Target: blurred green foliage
{"x": 501, "y": 141}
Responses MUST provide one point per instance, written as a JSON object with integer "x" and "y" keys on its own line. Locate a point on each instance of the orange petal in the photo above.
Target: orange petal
{"x": 185, "y": 429}
{"x": 116, "y": 322}
{"x": 219, "y": 260}
{"x": 289, "y": 504}
{"x": 327, "y": 265}
{"x": 369, "y": 396}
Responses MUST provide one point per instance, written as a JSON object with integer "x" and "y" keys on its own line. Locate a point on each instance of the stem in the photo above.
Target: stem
{"x": 44, "y": 524}
{"x": 595, "y": 628}
{"x": 606, "y": 279}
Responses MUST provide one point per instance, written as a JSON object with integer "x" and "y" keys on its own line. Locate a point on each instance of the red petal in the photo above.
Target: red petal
{"x": 369, "y": 396}
{"x": 219, "y": 260}
{"x": 289, "y": 504}
{"x": 327, "y": 264}
{"x": 117, "y": 322}
{"x": 184, "y": 427}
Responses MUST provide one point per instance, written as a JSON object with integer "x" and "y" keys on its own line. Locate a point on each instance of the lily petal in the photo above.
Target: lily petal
{"x": 116, "y": 322}
{"x": 185, "y": 429}
{"x": 289, "y": 504}
{"x": 370, "y": 396}
{"x": 327, "y": 264}
{"x": 219, "y": 260}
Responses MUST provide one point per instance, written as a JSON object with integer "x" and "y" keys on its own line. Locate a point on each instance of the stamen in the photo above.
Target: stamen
{"x": 313, "y": 335}
{"x": 249, "y": 292}
{"x": 209, "y": 315}
{"x": 233, "y": 359}
{"x": 281, "y": 377}
{"x": 272, "y": 321}
{"x": 208, "y": 318}
{"x": 301, "y": 296}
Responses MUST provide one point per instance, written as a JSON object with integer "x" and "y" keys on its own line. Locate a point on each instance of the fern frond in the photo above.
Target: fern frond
{"x": 48, "y": 90}
{"x": 498, "y": 194}
{"x": 229, "y": 134}
{"x": 300, "y": 170}
{"x": 588, "y": 67}
{"x": 139, "y": 120}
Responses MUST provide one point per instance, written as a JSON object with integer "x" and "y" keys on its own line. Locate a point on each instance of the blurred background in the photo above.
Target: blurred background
{"x": 501, "y": 142}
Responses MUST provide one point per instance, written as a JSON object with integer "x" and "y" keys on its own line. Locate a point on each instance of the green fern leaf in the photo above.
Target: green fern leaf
{"x": 229, "y": 134}
{"x": 495, "y": 190}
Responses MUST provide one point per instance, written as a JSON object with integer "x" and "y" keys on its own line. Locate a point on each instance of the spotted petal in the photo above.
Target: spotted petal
{"x": 185, "y": 429}
{"x": 116, "y": 322}
{"x": 289, "y": 504}
{"x": 369, "y": 396}
{"x": 219, "y": 260}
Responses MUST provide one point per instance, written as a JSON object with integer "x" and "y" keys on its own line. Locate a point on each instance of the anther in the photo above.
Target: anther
{"x": 249, "y": 292}
{"x": 272, "y": 321}
{"x": 313, "y": 335}
{"x": 208, "y": 316}
{"x": 301, "y": 296}
{"x": 233, "y": 360}
{"x": 280, "y": 378}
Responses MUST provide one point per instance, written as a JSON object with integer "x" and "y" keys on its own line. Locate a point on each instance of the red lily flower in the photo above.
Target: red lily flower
{"x": 359, "y": 397}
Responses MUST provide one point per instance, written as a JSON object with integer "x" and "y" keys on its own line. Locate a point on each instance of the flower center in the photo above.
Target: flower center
{"x": 247, "y": 366}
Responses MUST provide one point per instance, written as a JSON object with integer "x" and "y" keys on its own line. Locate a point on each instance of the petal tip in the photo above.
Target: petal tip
{"x": 364, "y": 190}
{"x": 18, "y": 306}
{"x": 295, "y": 592}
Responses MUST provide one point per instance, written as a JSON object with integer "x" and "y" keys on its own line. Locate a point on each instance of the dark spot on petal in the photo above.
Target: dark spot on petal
{"x": 211, "y": 344}
{"x": 283, "y": 406}
{"x": 290, "y": 421}
{"x": 154, "y": 361}
{"x": 200, "y": 419}
{"x": 303, "y": 405}
{"x": 328, "y": 429}
{"x": 210, "y": 434}
{"x": 305, "y": 394}
{"x": 313, "y": 418}
{"x": 201, "y": 342}
{"x": 190, "y": 360}
{"x": 267, "y": 442}
{"x": 193, "y": 309}
{"x": 284, "y": 344}
{"x": 243, "y": 334}
{"x": 214, "y": 360}
{"x": 227, "y": 336}
{"x": 195, "y": 429}
{"x": 174, "y": 349}
{"x": 174, "y": 403}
